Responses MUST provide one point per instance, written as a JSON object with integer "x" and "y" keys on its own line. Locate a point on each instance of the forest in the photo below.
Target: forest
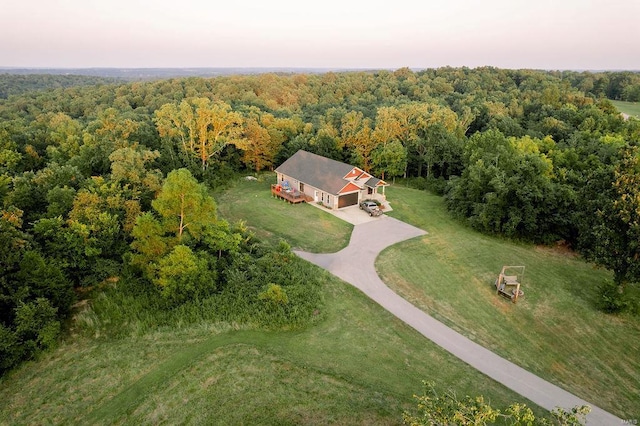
{"x": 105, "y": 182}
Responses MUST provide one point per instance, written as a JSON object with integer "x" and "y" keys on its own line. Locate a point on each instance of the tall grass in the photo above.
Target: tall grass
{"x": 357, "y": 365}
{"x": 134, "y": 307}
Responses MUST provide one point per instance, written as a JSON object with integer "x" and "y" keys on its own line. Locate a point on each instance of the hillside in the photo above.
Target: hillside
{"x": 357, "y": 365}
{"x": 122, "y": 220}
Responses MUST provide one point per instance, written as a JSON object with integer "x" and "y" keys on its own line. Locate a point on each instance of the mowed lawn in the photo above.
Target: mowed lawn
{"x": 629, "y": 108}
{"x": 358, "y": 366}
{"x": 303, "y": 226}
{"x": 555, "y": 331}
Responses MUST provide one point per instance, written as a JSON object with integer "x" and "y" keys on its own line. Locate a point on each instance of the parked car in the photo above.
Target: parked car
{"x": 370, "y": 207}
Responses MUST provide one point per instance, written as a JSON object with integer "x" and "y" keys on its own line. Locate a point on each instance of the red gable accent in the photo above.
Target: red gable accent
{"x": 355, "y": 172}
{"x": 350, "y": 187}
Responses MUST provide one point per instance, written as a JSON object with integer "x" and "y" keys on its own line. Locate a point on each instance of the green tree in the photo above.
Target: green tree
{"x": 184, "y": 205}
{"x": 627, "y": 205}
{"x": 65, "y": 136}
{"x": 149, "y": 243}
{"x": 183, "y": 274}
{"x": 34, "y": 295}
{"x": 30, "y": 190}
{"x": 614, "y": 240}
{"x": 110, "y": 131}
{"x": 88, "y": 245}
{"x": 390, "y": 159}
{"x": 59, "y": 201}
{"x": 67, "y": 248}
{"x": 40, "y": 277}
{"x": 436, "y": 145}
{"x": 130, "y": 168}
{"x": 506, "y": 186}
{"x": 14, "y": 242}
{"x": 174, "y": 248}
{"x": 37, "y": 327}
{"x": 9, "y": 155}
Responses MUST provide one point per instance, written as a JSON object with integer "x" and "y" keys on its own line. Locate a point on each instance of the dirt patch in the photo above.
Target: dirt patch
{"x": 558, "y": 368}
{"x": 560, "y": 248}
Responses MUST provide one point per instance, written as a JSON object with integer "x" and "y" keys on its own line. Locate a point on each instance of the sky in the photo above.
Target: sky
{"x": 541, "y": 34}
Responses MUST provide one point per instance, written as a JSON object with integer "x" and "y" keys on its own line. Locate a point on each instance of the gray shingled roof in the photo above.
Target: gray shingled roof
{"x": 372, "y": 182}
{"x": 321, "y": 172}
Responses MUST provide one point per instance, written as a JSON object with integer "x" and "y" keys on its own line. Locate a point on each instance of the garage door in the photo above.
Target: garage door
{"x": 348, "y": 200}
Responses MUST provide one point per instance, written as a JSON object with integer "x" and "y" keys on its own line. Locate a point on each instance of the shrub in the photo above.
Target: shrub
{"x": 246, "y": 294}
{"x": 615, "y": 298}
{"x": 436, "y": 185}
{"x": 36, "y": 329}
{"x": 435, "y": 408}
{"x": 274, "y": 295}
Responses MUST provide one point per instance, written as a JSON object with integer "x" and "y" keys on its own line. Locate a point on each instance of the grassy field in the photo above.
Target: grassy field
{"x": 629, "y": 108}
{"x": 303, "y": 226}
{"x": 358, "y": 366}
{"x": 555, "y": 331}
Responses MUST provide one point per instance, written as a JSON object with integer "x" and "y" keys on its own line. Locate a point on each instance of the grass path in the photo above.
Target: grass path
{"x": 124, "y": 403}
{"x": 359, "y": 365}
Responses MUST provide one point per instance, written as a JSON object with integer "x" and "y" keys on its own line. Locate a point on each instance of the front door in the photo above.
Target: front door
{"x": 315, "y": 196}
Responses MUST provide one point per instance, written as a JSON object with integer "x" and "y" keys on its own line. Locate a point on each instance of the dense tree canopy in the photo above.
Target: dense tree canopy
{"x": 101, "y": 176}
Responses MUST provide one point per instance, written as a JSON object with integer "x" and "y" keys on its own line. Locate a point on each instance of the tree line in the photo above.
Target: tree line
{"x": 109, "y": 179}
{"x": 17, "y": 84}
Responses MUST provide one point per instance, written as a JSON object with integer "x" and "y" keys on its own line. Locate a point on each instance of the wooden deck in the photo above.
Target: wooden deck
{"x": 294, "y": 197}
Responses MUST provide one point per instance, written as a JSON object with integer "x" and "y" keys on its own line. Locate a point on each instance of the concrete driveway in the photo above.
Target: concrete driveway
{"x": 353, "y": 214}
{"x": 355, "y": 264}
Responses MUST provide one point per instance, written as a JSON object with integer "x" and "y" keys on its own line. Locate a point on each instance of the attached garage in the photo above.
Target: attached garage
{"x": 325, "y": 181}
{"x": 348, "y": 200}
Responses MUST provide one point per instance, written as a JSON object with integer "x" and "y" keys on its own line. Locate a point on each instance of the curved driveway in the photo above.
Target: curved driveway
{"x": 355, "y": 264}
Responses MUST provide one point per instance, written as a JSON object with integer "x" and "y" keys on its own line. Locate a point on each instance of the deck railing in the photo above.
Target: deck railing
{"x": 290, "y": 195}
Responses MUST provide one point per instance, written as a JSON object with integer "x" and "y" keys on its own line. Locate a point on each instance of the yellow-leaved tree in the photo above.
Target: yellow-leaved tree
{"x": 355, "y": 133}
{"x": 201, "y": 126}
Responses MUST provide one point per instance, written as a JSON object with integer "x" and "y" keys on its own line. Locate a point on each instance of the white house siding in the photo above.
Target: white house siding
{"x": 325, "y": 198}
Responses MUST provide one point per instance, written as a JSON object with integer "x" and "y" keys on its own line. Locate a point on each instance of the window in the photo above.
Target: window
{"x": 328, "y": 199}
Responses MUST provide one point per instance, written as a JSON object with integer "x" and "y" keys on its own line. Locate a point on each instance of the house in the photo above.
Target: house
{"x": 330, "y": 182}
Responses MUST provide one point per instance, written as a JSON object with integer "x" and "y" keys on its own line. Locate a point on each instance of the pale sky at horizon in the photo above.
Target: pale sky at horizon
{"x": 543, "y": 34}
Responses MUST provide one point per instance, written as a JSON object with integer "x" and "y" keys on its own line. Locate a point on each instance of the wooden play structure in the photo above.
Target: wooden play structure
{"x": 508, "y": 282}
